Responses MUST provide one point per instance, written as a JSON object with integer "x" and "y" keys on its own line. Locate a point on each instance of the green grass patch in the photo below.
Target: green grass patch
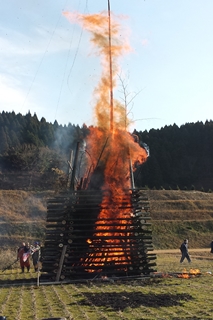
{"x": 163, "y": 296}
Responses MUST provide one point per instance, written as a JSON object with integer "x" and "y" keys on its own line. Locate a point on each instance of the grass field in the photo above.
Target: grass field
{"x": 166, "y": 295}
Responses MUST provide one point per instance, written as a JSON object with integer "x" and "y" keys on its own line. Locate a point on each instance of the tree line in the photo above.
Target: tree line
{"x": 179, "y": 157}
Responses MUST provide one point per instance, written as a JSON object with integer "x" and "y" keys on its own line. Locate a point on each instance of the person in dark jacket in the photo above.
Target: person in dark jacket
{"x": 211, "y": 246}
{"x": 184, "y": 251}
{"x": 36, "y": 255}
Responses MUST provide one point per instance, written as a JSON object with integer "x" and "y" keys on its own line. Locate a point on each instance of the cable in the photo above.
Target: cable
{"x": 74, "y": 59}
{"x": 35, "y": 75}
{"x": 78, "y": 46}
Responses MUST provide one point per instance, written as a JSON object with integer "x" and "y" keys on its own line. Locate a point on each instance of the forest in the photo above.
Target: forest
{"x": 179, "y": 157}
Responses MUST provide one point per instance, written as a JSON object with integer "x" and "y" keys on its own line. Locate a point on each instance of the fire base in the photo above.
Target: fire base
{"x": 92, "y": 234}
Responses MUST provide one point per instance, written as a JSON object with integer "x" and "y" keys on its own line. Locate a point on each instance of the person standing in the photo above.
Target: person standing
{"x": 36, "y": 255}
{"x": 184, "y": 251}
{"x": 23, "y": 257}
{"x": 21, "y": 247}
{"x": 211, "y": 246}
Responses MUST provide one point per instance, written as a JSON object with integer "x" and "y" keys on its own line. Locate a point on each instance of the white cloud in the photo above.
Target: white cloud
{"x": 145, "y": 42}
{"x": 16, "y": 44}
{"x": 14, "y": 97}
{"x": 10, "y": 93}
{"x": 22, "y": 54}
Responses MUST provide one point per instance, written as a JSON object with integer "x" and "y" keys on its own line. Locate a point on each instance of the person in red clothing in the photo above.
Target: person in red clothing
{"x": 23, "y": 257}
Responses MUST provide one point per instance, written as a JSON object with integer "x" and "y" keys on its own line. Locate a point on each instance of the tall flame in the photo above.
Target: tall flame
{"x": 120, "y": 146}
{"x": 97, "y": 25}
{"x": 111, "y": 148}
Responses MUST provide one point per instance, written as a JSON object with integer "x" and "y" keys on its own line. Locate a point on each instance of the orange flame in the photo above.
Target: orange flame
{"x": 121, "y": 145}
{"x": 191, "y": 273}
{"x": 184, "y": 276}
{"x": 117, "y": 148}
{"x": 97, "y": 25}
{"x": 194, "y": 271}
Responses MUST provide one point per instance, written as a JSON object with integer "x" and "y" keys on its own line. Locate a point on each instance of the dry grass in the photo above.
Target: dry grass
{"x": 183, "y": 205}
{"x": 175, "y": 215}
{"x": 22, "y": 216}
{"x": 17, "y": 205}
{"x": 164, "y": 296}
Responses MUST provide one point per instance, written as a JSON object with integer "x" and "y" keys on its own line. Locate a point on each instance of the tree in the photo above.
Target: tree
{"x": 4, "y": 146}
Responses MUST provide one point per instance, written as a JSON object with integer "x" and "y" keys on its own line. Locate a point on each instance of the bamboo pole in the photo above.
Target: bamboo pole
{"x": 110, "y": 70}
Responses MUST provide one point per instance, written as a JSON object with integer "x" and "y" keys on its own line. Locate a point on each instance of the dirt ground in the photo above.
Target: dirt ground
{"x": 178, "y": 251}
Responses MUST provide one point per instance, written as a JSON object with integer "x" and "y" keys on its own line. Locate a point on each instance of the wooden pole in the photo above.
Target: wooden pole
{"x": 70, "y": 169}
{"x": 110, "y": 70}
{"x": 72, "y": 182}
{"x": 61, "y": 263}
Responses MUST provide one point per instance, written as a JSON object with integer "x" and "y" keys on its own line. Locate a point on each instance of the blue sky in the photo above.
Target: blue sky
{"x": 49, "y": 67}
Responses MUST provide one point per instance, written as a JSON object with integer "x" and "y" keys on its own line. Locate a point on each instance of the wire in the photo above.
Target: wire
{"x": 78, "y": 46}
{"x": 73, "y": 62}
{"x": 36, "y": 73}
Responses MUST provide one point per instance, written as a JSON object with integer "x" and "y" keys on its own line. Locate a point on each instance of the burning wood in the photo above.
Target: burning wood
{"x": 97, "y": 245}
{"x": 192, "y": 273}
{"x": 101, "y": 226}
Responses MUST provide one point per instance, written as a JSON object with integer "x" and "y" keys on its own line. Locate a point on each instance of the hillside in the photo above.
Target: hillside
{"x": 22, "y": 216}
{"x": 175, "y": 215}
{"x": 33, "y": 152}
{"x": 181, "y": 214}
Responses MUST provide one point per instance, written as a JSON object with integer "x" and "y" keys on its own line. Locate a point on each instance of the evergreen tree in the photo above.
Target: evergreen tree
{"x": 4, "y": 146}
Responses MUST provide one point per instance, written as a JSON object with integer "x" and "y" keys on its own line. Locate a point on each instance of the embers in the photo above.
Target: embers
{"x": 88, "y": 233}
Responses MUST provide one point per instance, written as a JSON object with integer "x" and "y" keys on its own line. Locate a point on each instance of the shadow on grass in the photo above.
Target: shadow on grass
{"x": 17, "y": 282}
{"x": 18, "y": 279}
{"x": 123, "y": 300}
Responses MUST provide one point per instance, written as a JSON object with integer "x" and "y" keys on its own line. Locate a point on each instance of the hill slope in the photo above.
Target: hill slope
{"x": 175, "y": 215}
{"x": 22, "y": 216}
{"x": 181, "y": 214}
